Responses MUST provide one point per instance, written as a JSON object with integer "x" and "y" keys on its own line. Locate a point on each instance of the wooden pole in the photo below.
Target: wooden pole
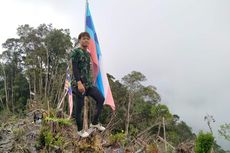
{"x": 86, "y": 5}
{"x": 159, "y": 130}
{"x": 164, "y": 134}
{"x": 85, "y": 118}
{"x": 161, "y": 139}
{"x": 59, "y": 105}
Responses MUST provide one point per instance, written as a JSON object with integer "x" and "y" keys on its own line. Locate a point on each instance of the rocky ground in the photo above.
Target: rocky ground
{"x": 23, "y": 136}
{"x": 57, "y": 134}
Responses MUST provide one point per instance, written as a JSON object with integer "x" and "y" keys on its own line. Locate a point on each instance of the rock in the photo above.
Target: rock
{"x": 185, "y": 147}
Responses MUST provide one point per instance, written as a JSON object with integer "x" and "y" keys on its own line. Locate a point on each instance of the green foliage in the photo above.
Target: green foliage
{"x": 58, "y": 140}
{"x": 47, "y": 138}
{"x": 174, "y": 137}
{"x": 224, "y": 131}
{"x": 51, "y": 134}
{"x": 204, "y": 142}
{"x": 35, "y": 61}
{"x": 145, "y": 109}
{"x": 161, "y": 110}
{"x": 118, "y": 137}
{"x": 133, "y": 80}
{"x": 178, "y": 131}
{"x": 60, "y": 121}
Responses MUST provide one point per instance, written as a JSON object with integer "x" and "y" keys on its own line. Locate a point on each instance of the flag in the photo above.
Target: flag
{"x": 99, "y": 75}
{"x": 68, "y": 88}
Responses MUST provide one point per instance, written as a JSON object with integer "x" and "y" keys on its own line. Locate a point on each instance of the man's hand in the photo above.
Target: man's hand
{"x": 81, "y": 87}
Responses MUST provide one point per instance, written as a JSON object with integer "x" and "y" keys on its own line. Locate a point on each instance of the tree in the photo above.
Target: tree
{"x": 36, "y": 61}
{"x": 209, "y": 119}
{"x": 5, "y": 88}
{"x": 133, "y": 83}
{"x": 224, "y": 131}
{"x": 204, "y": 142}
{"x": 139, "y": 99}
{"x": 45, "y": 59}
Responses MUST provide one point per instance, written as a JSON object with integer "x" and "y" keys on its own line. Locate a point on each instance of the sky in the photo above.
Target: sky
{"x": 182, "y": 46}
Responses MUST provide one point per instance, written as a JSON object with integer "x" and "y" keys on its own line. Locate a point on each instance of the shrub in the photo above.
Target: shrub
{"x": 204, "y": 142}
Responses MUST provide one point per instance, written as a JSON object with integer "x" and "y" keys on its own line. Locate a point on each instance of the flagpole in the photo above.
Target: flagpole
{"x": 86, "y": 4}
{"x": 86, "y": 103}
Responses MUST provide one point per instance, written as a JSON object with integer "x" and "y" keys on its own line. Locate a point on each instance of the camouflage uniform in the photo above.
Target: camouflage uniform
{"x": 83, "y": 72}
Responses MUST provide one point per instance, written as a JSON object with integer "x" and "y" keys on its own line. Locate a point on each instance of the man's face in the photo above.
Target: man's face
{"x": 84, "y": 41}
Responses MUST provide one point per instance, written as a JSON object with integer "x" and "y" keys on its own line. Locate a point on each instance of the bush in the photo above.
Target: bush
{"x": 118, "y": 137}
{"x": 204, "y": 142}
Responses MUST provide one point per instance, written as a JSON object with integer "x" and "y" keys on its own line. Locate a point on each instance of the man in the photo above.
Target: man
{"x": 84, "y": 87}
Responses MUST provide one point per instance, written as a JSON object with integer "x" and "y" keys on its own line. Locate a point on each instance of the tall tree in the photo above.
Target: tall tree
{"x": 138, "y": 96}
{"x": 13, "y": 72}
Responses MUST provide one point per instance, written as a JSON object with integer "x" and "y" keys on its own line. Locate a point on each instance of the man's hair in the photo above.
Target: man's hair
{"x": 82, "y": 34}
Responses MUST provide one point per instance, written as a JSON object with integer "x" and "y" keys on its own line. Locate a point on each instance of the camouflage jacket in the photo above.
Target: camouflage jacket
{"x": 81, "y": 67}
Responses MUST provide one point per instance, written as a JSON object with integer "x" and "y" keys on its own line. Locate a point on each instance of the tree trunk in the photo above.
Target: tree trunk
{"x": 128, "y": 115}
{"x": 2, "y": 103}
{"x": 50, "y": 88}
{"x": 12, "y": 94}
{"x": 5, "y": 85}
{"x": 54, "y": 76}
{"x": 47, "y": 72}
{"x": 40, "y": 83}
{"x": 35, "y": 91}
{"x": 35, "y": 85}
{"x": 29, "y": 86}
